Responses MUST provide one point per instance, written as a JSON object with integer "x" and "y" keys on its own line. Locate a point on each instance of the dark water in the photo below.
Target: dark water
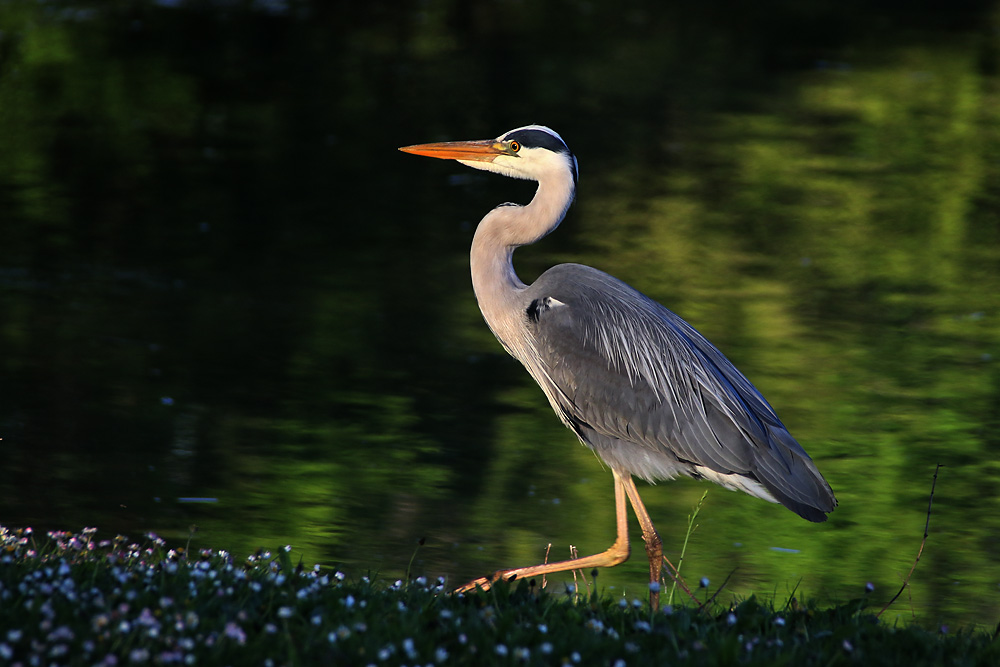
{"x": 220, "y": 280}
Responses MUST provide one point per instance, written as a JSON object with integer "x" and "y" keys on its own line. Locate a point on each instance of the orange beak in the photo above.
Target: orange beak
{"x": 483, "y": 151}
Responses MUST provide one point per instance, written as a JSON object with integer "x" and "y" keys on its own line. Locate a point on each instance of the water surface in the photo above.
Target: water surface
{"x": 219, "y": 279}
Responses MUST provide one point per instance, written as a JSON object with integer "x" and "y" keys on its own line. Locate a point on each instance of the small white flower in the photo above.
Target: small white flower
{"x": 285, "y": 612}
{"x": 575, "y": 657}
{"x": 501, "y": 649}
{"x": 704, "y": 582}
{"x": 731, "y": 619}
{"x": 235, "y": 632}
{"x": 440, "y": 655}
{"x": 138, "y": 655}
{"x": 654, "y": 587}
{"x": 779, "y": 621}
{"x": 546, "y": 648}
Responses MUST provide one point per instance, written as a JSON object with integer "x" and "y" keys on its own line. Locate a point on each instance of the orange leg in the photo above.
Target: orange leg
{"x": 617, "y": 553}
{"x": 654, "y": 545}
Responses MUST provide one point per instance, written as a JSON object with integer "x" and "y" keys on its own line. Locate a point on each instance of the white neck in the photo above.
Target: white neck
{"x": 501, "y": 231}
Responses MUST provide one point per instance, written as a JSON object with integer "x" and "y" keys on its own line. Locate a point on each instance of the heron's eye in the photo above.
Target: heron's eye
{"x": 514, "y": 146}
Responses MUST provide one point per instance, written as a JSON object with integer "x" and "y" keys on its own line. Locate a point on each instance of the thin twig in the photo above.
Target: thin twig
{"x": 545, "y": 562}
{"x": 409, "y": 565}
{"x": 192, "y": 529}
{"x": 678, "y": 580}
{"x": 573, "y": 556}
{"x": 927, "y": 524}
{"x": 691, "y": 527}
{"x": 583, "y": 575}
{"x": 719, "y": 590}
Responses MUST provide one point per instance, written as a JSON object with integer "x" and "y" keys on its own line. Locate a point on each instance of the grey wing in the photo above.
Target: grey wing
{"x": 628, "y": 374}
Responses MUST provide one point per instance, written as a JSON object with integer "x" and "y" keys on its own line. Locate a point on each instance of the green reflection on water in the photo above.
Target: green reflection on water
{"x": 219, "y": 279}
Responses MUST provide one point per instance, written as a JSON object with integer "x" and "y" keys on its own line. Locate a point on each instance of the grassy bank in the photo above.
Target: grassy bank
{"x": 79, "y": 600}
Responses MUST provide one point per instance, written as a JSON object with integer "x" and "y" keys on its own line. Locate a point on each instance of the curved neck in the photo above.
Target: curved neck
{"x": 501, "y": 231}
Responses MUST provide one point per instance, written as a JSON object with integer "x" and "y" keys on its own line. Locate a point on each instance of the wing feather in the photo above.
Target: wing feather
{"x": 622, "y": 368}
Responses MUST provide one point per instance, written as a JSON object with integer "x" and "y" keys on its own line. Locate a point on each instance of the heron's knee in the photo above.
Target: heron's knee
{"x": 620, "y": 558}
{"x": 619, "y": 553}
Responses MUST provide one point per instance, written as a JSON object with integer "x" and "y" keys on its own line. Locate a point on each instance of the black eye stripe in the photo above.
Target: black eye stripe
{"x": 537, "y": 139}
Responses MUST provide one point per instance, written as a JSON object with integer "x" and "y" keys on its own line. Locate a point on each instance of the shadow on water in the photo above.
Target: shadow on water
{"x": 218, "y": 278}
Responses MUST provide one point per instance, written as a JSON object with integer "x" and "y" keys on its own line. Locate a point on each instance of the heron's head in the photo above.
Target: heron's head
{"x": 531, "y": 152}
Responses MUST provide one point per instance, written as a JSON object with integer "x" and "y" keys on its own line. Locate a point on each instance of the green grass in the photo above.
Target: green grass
{"x": 69, "y": 599}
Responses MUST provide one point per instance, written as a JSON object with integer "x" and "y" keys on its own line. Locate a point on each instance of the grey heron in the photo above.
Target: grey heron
{"x": 651, "y": 396}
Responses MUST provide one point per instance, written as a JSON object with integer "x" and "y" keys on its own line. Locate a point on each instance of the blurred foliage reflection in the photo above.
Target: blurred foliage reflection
{"x": 219, "y": 280}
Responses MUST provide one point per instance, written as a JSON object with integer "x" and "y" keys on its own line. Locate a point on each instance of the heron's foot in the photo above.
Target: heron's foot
{"x": 617, "y": 553}
{"x": 484, "y": 583}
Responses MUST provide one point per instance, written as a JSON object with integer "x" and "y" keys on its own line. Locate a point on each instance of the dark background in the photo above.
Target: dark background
{"x": 219, "y": 280}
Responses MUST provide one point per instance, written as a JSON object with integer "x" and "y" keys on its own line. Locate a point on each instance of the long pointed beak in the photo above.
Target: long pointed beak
{"x": 483, "y": 151}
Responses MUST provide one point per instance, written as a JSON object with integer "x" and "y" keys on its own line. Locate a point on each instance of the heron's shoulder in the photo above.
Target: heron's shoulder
{"x": 579, "y": 281}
